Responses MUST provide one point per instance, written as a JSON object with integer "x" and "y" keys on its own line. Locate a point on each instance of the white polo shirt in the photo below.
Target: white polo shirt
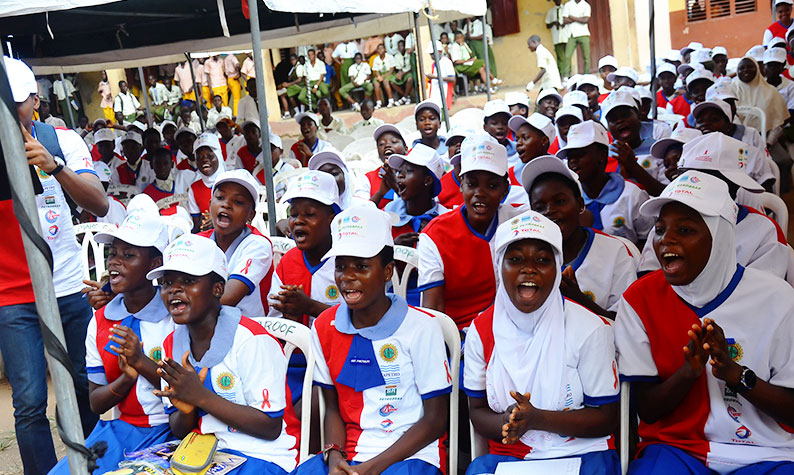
{"x": 551, "y": 78}
{"x": 346, "y": 50}
{"x": 383, "y": 65}
{"x": 460, "y": 52}
{"x": 390, "y": 43}
{"x": 604, "y": 269}
{"x": 557, "y": 33}
{"x": 318, "y": 282}
{"x": 577, "y": 9}
{"x": 359, "y": 72}
{"x": 314, "y": 71}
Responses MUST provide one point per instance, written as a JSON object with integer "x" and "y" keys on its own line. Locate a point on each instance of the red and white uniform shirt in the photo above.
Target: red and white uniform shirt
{"x": 152, "y": 324}
{"x": 123, "y": 174}
{"x": 604, "y": 269}
{"x": 755, "y": 161}
{"x": 180, "y": 187}
{"x": 250, "y": 260}
{"x": 590, "y": 378}
{"x": 318, "y": 282}
{"x": 450, "y": 196}
{"x": 405, "y": 353}
{"x": 229, "y": 149}
{"x": 198, "y": 198}
{"x": 712, "y": 422}
{"x": 247, "y": 366}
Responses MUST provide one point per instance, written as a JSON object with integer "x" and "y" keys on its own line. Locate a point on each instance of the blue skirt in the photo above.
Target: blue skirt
{"x": 663, "y": 459}
{"x": 316, "y": 466}
{"x": 255, "y": 466}
{"x": 121, "y": 437}
{"x": 605, "y": 462}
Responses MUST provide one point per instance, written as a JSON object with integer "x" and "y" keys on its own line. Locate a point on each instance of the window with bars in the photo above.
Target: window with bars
{"x": 699, "y": 10}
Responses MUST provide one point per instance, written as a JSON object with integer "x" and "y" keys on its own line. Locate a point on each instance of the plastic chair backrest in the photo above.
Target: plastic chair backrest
{"x": 746, "y": 115}
{"x": 280, "y": 247}
{"x": 452, "y": 339}
{"x": 790, "y": 267}
{"x": 179, "y": 199}
{"x": 123, "y": 193}
{"x": 92, "y": 248}
{"x": 410, "y": 257}
{"x": 625, "y": 414}
{"x": 298, "y": 336}
{"x": 775, "y": 204}
{"x": 776, "y": 172}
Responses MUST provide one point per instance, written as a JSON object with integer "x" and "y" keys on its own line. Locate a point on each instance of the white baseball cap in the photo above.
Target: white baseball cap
{"x": 568, "y": 110}
{"x": 685, "y": 68}
{"x": 717, "y": 151}
{"x": 582, "y": 135}
{"x": 706, "y": 194}
{"x": 673, "y": 55}
{"x": 635, "y": 94}
{"x": 787, "y": 2}
{"x": 166, "y": 122}
{"x": 547, "y": 164}
{"x": 665, "y": 68}
{"x": 700, "y": 56}
{"x": 133, "y": 136}
{"x": 427, "y": 104}
{"x": 719, "y": 50}
{"x": 482, "y": 152}
{"x": 516, "y": 98}
{"x": 139, "y": 125}
{"x": 700, "y": 74}
{"x": 608, "y": 60}
{"x": 528, "y": 225}
{"x": 644, "y": 92}
{"x": 251, "y": 122}
{"x": 360, "y": 231}
{"x": 775, "y": 42}
{"x": 275, "y": 139}
{"x": 720, "y": 90}
{"x": 692, "y": 46}
{"x": 617, "y": 99}
{"x": 423, "y": 156}
{"x": 142, "y": 202}
{"x": 681, "y": 135}
{"x": 462, "y": 131}
{"x": 588, "y": 79}
{"x": 242, "y": 177}
{"x": 383, "y": 128}
{"x": 194, "y": 255}
{"x": 544, "y": 93}
{"x": 327, "y": 156}
{"x": 624, "y": 72}
{"x": 775, "y": 55}
{"x": 139, "y": 229}
{"x": 102, "y": 170}
{"x": 310, "y": 115}
{"x": 104, "y": 135}
{"x": 496, "y": 106}
{"x": 573, "y": 82}
{"x": 756, "y": 52}
{"x": 315, "y": 185}
{"x": 184, "y": 130}
{"x": 21, "y": 79}
{"x": 208, "y": 139}
{"x": 575, "y": 98}
{"x": 537, "y": 121}
{"x": 718, "y": 104}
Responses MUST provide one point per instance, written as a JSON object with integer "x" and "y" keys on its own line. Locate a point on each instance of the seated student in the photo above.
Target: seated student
{"x": 563, "y": 120}
{"x": 247, "y": 156}
{"x": 779, "y": 28}
{"x": 540, "y": 372}
{"x": 230, "y": 137}
{"x": 188, "y": 118}
{"x": 589, "y": 84}
{"x": 706, "y": 344}
{"x": 210, "y": 164}
{"x": 646, "y": 102}
{"x": 378, "y": 332}
{"x": 533, "y": 136}
{"x": 105, "y": 144}
{"x": 597, "y": 267}
{"x": 606, "y": 65}
{"x": 464, "y": 287}
{"x": 310, "y": 144}
{"x": 124, "y": 342}
{"x": 450, "y": 196}
{"x": 760, "y": 242}
{"x": 381, "y": 182}
{"x": 185, "y": 157}
{"x": 418, "y": 175}
{"x": 367, "y": 109}
{"x": 518, "y": 102}
{"x": 613, "y": 200}
{"x": 168, "y": 129}
{"x": 134, "y": 170}
{"x": 331, "y": 161}
{"x": 466, "y": 63}
{"x": 496, "y": 114}
{"x": 623, "y": 76}
{"x": 669, "y": 150}
{"x": 719, "y": 56}
{"x": 427, "y": 115}
{"x": 248, "y": 252}
{"x": 666, "y": 75}
{"x": 631, "y": 142}
{"x": 280, "y": 165}
{"x": 218, "y": 111}
{"x": 329, "y": 123}
{"x": 288, "y": 90}
{"x": 360, "y": 76}
{"x": 382, "y": 71}
{"x": 579, "y": 100}
{"x": 696, "y": 85}
{"x": 151, "y": 141}
{"x": 231, "y": 380}
{"x": 402, "y": 81}
{"x": 116, "y": 209}
{"x": 548, "y": 102}
{"x": 714, "y": 116}
{"x": 168, "y": 181}
{"x": 774, "y": 65}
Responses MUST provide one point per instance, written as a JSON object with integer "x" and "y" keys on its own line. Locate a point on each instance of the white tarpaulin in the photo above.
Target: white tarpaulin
{"x": 468, "y": 7}
{"x": 27, "y": 7}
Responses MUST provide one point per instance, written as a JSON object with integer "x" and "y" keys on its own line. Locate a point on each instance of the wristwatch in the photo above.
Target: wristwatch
{"x": 59, "y": 166}
{"x": 329, "y": 447}
{"x": 746, "y": 382}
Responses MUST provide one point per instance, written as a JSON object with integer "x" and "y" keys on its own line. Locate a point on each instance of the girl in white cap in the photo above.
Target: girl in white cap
{"x": 222, "y": 373}
{"x": 381, "y": 365}
{"x": 331, "y": 161}
{"x": 540, "y": 371}
{"x": 707, "y": 344}
{"x": 124, "y": 343}
{"x": 168, "y": 181}
{"x": 209, "y": 164}
{"x": 428, "y": 120}
{"x": 381, "y": 182}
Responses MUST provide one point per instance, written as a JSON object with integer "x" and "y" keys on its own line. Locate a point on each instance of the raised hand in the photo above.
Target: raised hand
{"x": 185, "y": 386}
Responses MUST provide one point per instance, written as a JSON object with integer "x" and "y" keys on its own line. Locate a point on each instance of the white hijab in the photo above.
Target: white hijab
{"x": 215, "y": 146}
{"x": 529, "y": 348}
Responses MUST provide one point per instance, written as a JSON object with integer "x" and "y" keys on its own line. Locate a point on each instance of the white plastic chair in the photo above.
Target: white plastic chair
{"x": 790, "y": 267}
{"x": 775, "y": 204}
{"x": 123, "y": 193}
{"x": 92, "y": 248}
{"x": 298, "y": 336}
{"x": 179, "y": 199}
{"x": 776, "y": 173}
{"x": 625, "y": 398}
{"x": 358, "y": 148}
{"x": 280, "y": 247}
{"x": 636, "y": 254}
{"x": 754, "y": 117}
{"x": 452, "y": 339}
{"x": 410, "y": 257}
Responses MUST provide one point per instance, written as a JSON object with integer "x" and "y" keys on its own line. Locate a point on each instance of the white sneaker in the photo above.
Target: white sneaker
{"x": 356, "y": 107}
{"x": 494, "y": 89}
{"x": 391, "y": 103}
{"x": 496, "y": 82}
{"x": 378, "y": 105}
{"x": 406, "y": 100}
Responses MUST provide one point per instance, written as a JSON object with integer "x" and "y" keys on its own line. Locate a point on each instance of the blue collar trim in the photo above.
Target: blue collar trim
{"x": 153, "y": 312}
{"x": 386, "y": 326}
{"x": 230, "y": 252}
{"x": 491, "y": 227}
{"x": 397, "y": 206}
{"x": 309, "y": 267}
{"x": 220, "y": 345}
{"x": 611, "y": 191}
{"x": 721, "y": 297}
{"x": 584, "y": 251}
{"x": 743, "y": 212}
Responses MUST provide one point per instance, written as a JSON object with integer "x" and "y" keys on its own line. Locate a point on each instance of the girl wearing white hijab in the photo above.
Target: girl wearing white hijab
{"x": 702, "y": 307}
{"x": 331, "y": 161}
{"x": 209, "y": 164}
{"x": 753, "y": 90}
{"x": 540, "y": 371}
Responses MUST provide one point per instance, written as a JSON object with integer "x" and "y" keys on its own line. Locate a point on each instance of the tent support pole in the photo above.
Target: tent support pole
{"x": 72, "y": 123}
{"x": 256, "y": 40}
{"x": 196, "y": 92}
{"x": 145, "y": 92}
{"x": 441, "y": 81}
{"x": 420, "y": 79}
{"x": 487, "y": 59}
{"x": 41, "y": 278}
{"x": 654, "y": 82}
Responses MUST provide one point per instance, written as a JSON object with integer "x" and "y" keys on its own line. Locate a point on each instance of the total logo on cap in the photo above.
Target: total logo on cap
{"x": 349, "y": 226}
{"x": 527, "y": 224}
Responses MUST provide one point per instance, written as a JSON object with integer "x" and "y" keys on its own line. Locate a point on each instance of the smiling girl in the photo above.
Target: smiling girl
{"x": 209, "y": 164}
{"x": 381, "y": 181}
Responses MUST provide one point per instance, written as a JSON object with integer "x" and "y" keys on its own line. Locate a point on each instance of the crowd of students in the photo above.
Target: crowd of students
{"x": 574, "y": 246}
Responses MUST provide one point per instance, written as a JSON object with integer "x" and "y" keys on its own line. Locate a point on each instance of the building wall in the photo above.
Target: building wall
{"x": 516, "y": 64}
